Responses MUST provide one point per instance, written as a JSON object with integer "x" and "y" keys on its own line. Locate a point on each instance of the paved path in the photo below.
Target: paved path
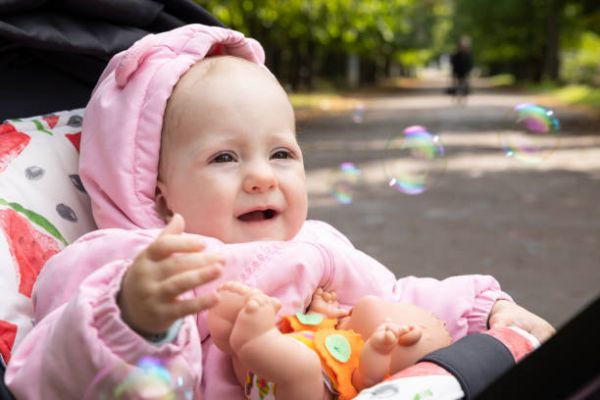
{"x": 536, "y": 228}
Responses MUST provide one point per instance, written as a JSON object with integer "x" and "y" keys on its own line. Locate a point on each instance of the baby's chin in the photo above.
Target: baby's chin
{"x": 264, "y": 237}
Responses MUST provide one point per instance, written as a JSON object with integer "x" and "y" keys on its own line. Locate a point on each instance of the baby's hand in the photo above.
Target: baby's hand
{"x": 507, "y": 313}
{"x": 170, "y": 266}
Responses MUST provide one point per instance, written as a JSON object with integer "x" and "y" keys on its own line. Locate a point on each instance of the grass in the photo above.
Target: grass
{"x": 307, "y": 105}
{"x": 502, "y": 80}
{"x": 571, "y": 94}
{"x": 579, "y": 94}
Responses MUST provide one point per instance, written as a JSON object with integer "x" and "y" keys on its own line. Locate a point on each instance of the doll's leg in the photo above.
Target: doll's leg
{"x": 376, "y": 355}
{"x": 261, "y": 348}
{"x": 460, "y": 371}
{"x": 221, "y": 318}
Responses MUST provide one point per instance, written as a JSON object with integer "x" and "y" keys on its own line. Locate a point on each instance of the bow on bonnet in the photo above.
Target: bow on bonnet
{"x": 120, "y": 141}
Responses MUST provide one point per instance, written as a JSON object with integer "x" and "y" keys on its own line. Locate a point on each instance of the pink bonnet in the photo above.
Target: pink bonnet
{"x": 120, "y": 142}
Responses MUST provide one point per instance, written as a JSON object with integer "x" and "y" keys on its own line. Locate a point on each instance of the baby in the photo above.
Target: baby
{"x": 190, "y": 158}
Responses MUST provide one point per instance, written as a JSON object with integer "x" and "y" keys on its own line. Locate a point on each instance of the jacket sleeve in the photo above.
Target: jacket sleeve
{"x": 80, "y": 346}
{"x": 464, "y": 302}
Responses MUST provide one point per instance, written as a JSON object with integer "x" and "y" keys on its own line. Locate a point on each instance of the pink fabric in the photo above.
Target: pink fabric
{"x": 79, "y": 334}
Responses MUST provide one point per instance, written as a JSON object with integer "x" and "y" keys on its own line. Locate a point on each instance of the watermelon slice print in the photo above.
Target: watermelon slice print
{"x": 8, "y": 332}
{"x": 75, "y": 139}
{"x": 51, "y": 120}
{"x": 12, "y": 143}
{"x": 36, "y": 219}
{"x": 40, "y": 127}
{"x": 29, "y": 248}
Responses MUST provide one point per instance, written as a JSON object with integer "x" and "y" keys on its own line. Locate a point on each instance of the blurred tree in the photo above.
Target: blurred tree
{"x": 525, "y": 38}
{"x": 308, "y": 38}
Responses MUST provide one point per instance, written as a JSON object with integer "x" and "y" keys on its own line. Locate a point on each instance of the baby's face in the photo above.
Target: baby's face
{"x": 230, "y": 162}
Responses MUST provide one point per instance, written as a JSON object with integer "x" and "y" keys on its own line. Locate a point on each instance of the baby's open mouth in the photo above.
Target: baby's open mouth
{"x": 258, "y": 215}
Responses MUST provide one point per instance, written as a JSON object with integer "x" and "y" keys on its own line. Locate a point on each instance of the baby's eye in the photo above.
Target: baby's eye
{"x": 224, "y": 158}
{"x": 282, "y": 154}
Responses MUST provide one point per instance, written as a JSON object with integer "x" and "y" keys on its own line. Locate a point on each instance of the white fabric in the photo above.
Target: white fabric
{"x": 37, "y": 175}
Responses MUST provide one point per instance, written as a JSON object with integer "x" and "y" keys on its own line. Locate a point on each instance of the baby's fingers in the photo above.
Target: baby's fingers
{"x": 174, "y": 227}
{"x": 195, "y": 305}
{"x": 182, "y": 282}
{"x": 500, "y": 319}
{"x": 165, "y": 245}
{"x": 542, "y": 331}
{"x": 183, "y": 262}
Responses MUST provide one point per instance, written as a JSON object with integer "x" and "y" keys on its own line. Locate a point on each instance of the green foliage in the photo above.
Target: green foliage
{"x": 582, "y": 63}
{"x": 502, "y": 80}
{"x": 317, "y": 35}
{"x": 528, "y": 38}
{"x": 309, "y": 39}
{"x": 579, "y": 94}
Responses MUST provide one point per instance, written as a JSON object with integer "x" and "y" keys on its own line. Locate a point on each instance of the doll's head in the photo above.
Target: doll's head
{"x": 429, "y": 333}
{"x": 230, "y": 163}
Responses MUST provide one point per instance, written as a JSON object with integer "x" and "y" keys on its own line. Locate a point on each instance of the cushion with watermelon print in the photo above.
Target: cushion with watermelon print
{"x": 43, "y": 207}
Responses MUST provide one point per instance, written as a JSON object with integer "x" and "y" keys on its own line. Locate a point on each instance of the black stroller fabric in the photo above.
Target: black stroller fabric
{"x": 53, "y": 51}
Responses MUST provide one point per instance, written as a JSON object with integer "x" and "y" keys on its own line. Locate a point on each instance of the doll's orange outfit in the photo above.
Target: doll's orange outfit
{"x": 338, "y": 349}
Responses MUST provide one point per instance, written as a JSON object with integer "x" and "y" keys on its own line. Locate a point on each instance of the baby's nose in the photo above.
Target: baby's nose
{"x": 260, "y": 178}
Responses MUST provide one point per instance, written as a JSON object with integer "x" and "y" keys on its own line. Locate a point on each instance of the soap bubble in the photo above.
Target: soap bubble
{"x": 150, "y": 379}
{"x": 358, "y": 113}
{"x": 534, "y": 135}
{"x": 344, "y": 182}
{"x": 414, "y": 158}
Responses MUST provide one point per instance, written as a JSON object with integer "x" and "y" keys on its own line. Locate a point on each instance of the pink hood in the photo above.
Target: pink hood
{"x": 120, "y": 141}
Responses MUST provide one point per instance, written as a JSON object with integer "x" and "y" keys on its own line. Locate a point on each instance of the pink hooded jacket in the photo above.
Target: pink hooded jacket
{"x": 80, "y": 340}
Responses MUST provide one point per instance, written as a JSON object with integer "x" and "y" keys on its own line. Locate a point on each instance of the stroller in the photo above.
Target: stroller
{"x": 52, "y": 52}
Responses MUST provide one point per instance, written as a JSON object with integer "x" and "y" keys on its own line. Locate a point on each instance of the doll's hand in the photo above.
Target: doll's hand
{"x": 507, "y": 313}
{"x": 170, "y": 266}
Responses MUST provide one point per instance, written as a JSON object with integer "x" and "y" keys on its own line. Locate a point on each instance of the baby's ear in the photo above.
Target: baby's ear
{"x": 162, "y": 206}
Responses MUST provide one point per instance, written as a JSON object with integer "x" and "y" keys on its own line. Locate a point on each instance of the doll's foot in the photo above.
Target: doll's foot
{"x": 222, "y": 317}
{"x": 256, "y": 317}
{"x": 385, "y": 338}
{"x": 325, "y": 302}
{"x": 376, "y": 355}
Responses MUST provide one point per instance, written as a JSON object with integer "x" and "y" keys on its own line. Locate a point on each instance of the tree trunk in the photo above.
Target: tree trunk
{"x": 552, "y": 48}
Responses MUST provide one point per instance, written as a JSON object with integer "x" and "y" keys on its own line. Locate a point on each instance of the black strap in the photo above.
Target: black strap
{"x": 4, "y": 393}
{"x": 567, "y": 366}
{"x": 475, "y": 361}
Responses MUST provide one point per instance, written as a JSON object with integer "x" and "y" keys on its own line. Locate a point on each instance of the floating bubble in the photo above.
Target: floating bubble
{"x": 344, "y": 183}
{"x": 151, "y": 378}
{"x": 414, "y": 159}
{"x": 534, "y": 136}
{"x": 358, "y": 113}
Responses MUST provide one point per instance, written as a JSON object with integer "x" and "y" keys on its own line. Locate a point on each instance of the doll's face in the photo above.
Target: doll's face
{"x": 370, "y": 311}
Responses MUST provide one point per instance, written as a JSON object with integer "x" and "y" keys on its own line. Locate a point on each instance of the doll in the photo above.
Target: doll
{"x": 326, "y": 353}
